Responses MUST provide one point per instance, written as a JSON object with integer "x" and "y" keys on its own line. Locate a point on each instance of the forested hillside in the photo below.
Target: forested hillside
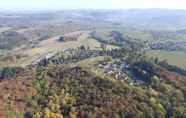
{"x": 88, "y": 83}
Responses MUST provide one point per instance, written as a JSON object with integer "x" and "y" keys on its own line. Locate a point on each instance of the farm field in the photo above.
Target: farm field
{"x": 174, "y": 58}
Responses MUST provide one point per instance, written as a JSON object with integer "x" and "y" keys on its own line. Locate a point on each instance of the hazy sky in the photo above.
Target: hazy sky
{"x": 96, "y": 4}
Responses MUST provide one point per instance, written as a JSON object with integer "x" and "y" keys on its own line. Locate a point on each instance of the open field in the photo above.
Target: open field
{"x": 52, "y": 44}
{"x": 174, "y": 58}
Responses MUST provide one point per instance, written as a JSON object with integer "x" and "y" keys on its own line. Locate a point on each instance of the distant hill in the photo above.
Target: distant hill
{"x": 146, "y": 18}
{"x": 137, "y": 18}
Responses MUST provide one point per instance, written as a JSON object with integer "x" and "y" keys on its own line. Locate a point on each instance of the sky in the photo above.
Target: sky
{"x": 93, "y": 4}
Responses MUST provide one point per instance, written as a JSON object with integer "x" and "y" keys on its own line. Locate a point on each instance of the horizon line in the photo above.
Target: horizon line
{"x": 69, "y": 9}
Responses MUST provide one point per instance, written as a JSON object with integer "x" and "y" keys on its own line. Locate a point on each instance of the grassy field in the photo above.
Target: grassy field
{"x": 104, "y": 33}
{"x": 174, "y": 58}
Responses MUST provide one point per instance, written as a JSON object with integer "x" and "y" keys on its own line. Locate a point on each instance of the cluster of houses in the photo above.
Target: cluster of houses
{"x": 76, "y": 54}
{"x": 120, "y": 71}
{"x": 65, "y": 38}
{"x": 45, "y": 57}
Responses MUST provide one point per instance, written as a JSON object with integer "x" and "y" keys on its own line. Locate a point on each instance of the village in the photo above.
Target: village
{"x": 120, "y": 70}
